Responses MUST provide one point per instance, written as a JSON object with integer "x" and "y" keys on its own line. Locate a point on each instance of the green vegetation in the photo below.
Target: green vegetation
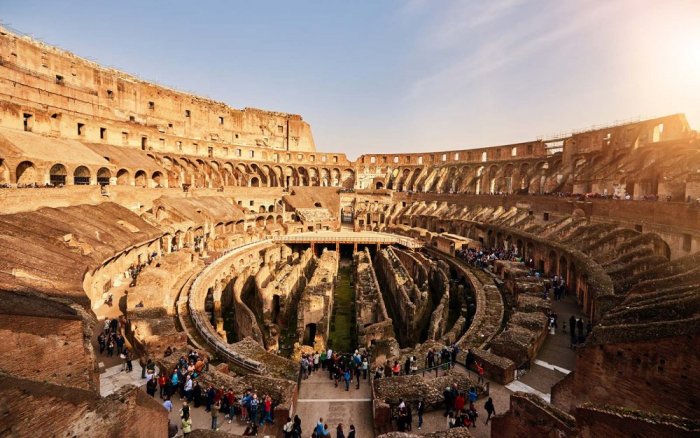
{"x": 342, "y": 336}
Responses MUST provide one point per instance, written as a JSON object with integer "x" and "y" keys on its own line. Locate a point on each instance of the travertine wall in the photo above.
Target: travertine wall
{"x": 59, "y": 90}
{"x": 635, "y": 373}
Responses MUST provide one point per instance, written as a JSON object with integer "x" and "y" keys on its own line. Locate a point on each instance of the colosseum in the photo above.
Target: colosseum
{"x": 162, "y": 248}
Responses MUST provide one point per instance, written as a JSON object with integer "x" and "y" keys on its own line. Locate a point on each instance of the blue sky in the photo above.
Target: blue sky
{"x": 400, "y": 76}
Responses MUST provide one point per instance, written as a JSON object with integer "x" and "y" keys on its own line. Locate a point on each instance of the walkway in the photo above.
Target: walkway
{"x": 360, "y": 237}
{"x": 114, "y": 378}
{"x": 318, "y": 397}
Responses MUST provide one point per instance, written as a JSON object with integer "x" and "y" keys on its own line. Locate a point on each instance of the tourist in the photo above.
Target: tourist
{"x": 326, "y": 432}
{"x": 296, "y": 432}
{"x": 101, "y": 340}
{"x": 480, "y": 372}
{"x": 268, "y": 410}
{"x": 211, "y": 393}
{"x": 151, "y": 387}
{"x": 471, "y": 412}
{"x": 162, "y": 381}
{"x": 472, "y": 395}
{"x": 339, "y": 431}
{"x": 449, "y": 400}
{"x": 396, "y": 369}
{"x": 288, "y": 428}
{"x": 188, "y": 388}
{"x": 215, "y": 416}
{"x": 420, "y": 409}
{"x": 185, "y": 410}
{"x": 490, "y": 409}
{"x": 110, "y": 347}
{"x": 358, "y": 373}
{"x": 319, "y": 427}
{"x": 365, "y": 367}
{"x": 451, "y": 421}
{"x": 186, "y": 424}
{"x": 167, "y": 404}
{"x": 253, "y": 410}
{"x": 251, "y": 430}
{"x": 347, "y": 377}
{"x": 352, "y": 431}
{"x": 459, "y": 402}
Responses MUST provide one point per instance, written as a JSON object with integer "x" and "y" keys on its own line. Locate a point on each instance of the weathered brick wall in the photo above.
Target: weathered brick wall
{"x": 634, "y": 374}
{"x": 530, "y": 416}
{"x": 610, "y": 423}
{"x": 46, "y": 349}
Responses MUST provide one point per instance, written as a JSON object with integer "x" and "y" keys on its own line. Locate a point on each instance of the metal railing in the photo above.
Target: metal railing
{"x": 200, "y": 321}
{"x": 383, "y": 239}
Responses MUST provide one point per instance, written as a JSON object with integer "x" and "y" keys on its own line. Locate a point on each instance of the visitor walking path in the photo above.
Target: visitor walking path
{"x": 318, "y": 397}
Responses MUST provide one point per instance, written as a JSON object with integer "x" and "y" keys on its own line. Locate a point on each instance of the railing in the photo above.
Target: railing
{"x": 204, "y": 327}
{"x": 384, "y": 239}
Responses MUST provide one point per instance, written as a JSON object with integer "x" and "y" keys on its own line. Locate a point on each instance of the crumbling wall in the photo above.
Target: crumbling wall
{"x": 593, "y": 421}
{"x": 373, "y": 320}
{"x": 409, "y": 306}
{"x": 630, "y": 373}
{"x": 530, "y": 416}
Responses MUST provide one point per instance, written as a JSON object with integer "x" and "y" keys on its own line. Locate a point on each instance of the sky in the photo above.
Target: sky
{"x": 400, "y": 76}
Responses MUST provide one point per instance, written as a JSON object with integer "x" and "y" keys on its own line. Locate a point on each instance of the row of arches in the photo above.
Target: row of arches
{"x": 532, "y": 177}
{"x": 212, "y": 173}
{"x": 59, "y": 174}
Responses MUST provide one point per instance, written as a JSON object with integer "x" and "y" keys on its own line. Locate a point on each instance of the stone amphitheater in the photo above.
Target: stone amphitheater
{"x": 198, "y": 227}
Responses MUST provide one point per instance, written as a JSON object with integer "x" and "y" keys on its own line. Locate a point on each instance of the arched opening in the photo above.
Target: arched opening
{"x": 26, "y": 173}
{"x": 123, "y": 177}
{"x": 379, "y": 185}
{"x": 157, "y": 179}
{"x": 255, "y": 182}
{"x": 309, "y": 334}
{"x": 58, "y": 174}
{"x": 552, "y": 263}
{"x": 103, "y": 176}
{"x": 140, "y": 179}
{"x": 81, "y": 176}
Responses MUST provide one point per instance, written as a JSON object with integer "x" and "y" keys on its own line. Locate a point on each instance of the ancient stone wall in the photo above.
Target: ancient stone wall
{"x": 373, "y": 320}
{"x": 611, "y": 422}
{"x": 316, "y": 302}
{"x": 530, "y": 416}
{"x": 102, "y": 98}
{"x": 632, "y": 373}
{"x": 408, "y": 305}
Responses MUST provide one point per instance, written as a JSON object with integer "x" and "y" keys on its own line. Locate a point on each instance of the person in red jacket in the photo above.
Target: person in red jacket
{"x": 459, "y": 402}
{"x": 162, "y": 380}
{"x": 268, "y": 409}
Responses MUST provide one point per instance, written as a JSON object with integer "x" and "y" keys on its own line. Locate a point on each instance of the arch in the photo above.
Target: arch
{"x": 271, "y": 209}
{"x": 348, "y": 179}
{"x": 81, "y": 176}
{"x": 103, "y": 176}
{"x": 58, "y": 174}
{"x": 379, "y": 185}
{"x": 158, "y": 178}
{"x": 140, "y": 179}
{"x": 123, "y": 177}
{"x": 255, "y": 182}
{"x": 26, "y": 173}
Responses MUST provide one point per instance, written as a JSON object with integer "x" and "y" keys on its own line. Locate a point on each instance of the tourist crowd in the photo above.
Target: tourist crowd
{"x": 184, "y": 381}
{"x": 483, "y": 257}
